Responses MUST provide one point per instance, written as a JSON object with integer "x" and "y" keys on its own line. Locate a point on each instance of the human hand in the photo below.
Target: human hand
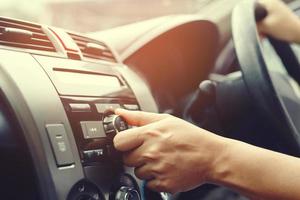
{"x": 171, "y": 154}
{"x": 280, "y": 23}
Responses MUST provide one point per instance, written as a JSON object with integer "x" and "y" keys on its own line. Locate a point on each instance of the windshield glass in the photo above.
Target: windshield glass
{"x": 95, "y": 15}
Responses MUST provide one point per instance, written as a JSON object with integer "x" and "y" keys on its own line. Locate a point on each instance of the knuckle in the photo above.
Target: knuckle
{"x": 143, "y": 174}
{"x": 152, "y": 133}
{"x": 153, "y": 153}
{"x": 148, "y": 156}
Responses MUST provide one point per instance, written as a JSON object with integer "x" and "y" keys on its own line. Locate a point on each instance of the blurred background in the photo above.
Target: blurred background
{"x": 95, "y": 15}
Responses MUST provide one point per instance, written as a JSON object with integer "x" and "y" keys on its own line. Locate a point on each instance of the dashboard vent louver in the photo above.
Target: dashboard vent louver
{"x": 24, "y": 35}
{"x": 93, "y": 49}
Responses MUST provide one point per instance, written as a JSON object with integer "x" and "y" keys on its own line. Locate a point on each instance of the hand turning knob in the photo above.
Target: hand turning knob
{"x": 114, "y": 124}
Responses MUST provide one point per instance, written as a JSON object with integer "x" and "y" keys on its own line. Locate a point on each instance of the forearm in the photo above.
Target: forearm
{"x": 257, "y": 172}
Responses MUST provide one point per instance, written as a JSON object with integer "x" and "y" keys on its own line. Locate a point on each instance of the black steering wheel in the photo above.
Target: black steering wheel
{"x": 276, "y": 95}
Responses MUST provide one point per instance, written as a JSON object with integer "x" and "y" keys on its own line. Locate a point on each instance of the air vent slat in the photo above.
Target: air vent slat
{"x": 15, "y": 37}
{"x": 99, "y": 57}
{"x": 33, "y": 41}
{"x": 20, "y": 26}
{"x": 22, "y": 22}
{"x": 36, "y": 35}
{"x": 27, "y": 46}
{"x": 85, "y": 39}
{"x": 93, "y": 49}
{"x": 40, "y": 36}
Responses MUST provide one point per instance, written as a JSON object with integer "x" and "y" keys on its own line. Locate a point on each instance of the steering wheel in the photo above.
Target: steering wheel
{"x": 276, "y": 95}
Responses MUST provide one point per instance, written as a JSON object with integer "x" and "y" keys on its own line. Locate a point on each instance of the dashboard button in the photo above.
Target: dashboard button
{"x": 88, "y": 155}
{"x": 131, "y": 106}
{"x": 80, "y": 107}
{"x": 92, "y": 129}
{"x": 101, "y": 108}
{"x": 98, "y": 153}
{"x": 60, "y": 144}
{"x": 93, "y": 155}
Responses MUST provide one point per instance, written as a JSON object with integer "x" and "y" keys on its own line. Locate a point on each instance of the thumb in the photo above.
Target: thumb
{"x": 139, "y": 118}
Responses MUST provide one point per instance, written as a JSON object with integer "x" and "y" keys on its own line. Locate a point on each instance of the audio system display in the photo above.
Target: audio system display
{"x": 88, "y": 80}
{"x": 86, "y": 83}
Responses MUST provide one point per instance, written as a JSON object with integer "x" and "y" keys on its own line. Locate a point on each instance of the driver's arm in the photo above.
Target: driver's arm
{"x": 258, "y": 173}
{"x": 175, "y": 156}
{"x": 281, "y": 22}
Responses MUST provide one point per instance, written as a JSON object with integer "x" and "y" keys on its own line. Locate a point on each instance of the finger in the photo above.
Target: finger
{"x": 156, "y": 185}
{"x": 145, "y": 172}
{"x": 134, "y": 158}
{"x": 129, "y": 139}
{"x": 139, "y": 118}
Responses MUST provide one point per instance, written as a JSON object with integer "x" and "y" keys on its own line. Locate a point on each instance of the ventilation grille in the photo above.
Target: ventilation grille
{"x": 93, "y": 49}
{"x": 24, "y": 35}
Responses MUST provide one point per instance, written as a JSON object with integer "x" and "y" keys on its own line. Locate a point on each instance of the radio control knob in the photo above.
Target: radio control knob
{"x": 127, "y": 193}
{"x": 114, "y": 124}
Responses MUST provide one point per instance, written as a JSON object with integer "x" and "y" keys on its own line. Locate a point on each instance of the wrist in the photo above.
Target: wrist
{"x": 220, "y": 167}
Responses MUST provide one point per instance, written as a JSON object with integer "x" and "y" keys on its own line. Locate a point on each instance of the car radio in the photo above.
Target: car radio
{"x": 94, "y": 126}
{"x": 89, "y": 97}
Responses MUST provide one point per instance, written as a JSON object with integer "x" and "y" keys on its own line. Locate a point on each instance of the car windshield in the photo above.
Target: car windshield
{"x": 95, "y": 15}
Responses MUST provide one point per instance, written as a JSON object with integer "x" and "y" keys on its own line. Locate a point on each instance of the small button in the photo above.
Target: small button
{"x": 131, "y": 106}
{"x": 92, "y": 129}
{"x": 88, "y": 155}
{"x": 60, "y": 144}
{"x": 98, "y": 152}
{"x": 80, "y": 107}
{"x": 101, "y": 108}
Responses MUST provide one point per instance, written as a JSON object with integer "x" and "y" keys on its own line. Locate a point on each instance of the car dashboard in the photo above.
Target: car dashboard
{"x": 58, "y": 90}
{"x": 60, "y": 87}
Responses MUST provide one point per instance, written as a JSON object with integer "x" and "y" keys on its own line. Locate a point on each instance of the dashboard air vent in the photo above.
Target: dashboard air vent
{"x": 93, "y": 49}
{"x": 24, "y": 35}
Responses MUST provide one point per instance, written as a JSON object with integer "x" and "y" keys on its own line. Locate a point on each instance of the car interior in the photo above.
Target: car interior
{"x": 59, "y": 88}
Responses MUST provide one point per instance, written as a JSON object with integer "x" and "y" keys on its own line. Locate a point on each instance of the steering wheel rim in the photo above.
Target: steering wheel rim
{"x": 256, "y": 76}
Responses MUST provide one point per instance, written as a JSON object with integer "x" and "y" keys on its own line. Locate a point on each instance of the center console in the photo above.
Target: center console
{"x": 65, "y": 110}
{"x": 62, "y": 88}
{"x": 89, "y": 94}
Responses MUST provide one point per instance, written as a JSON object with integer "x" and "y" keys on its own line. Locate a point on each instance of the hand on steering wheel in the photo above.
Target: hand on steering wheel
{"x": 279, "y": 17}
{"x": 273, "y": 95}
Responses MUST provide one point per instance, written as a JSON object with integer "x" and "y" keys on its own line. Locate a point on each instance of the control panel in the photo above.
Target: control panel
{"x": 66, "y": 119}
{"x": 94, "y": 126}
